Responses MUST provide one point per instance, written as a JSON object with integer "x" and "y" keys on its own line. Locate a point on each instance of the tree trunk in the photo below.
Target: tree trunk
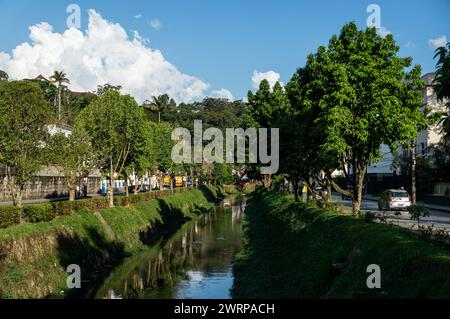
{"x": 161, "y": 181}
{"x": 328, "y": 187}
{"x": 358, "y": 179}
{"x": 72, "y": 194}
{"x": 137, "y": 186}
{"x": 127, "y": 193}
{"x": 111, "y": 187}
{"x": 17, "y": 196}
{"x": 413, "y": 171}
{"x": 295, "y": 188}
{"x": 59, "y": 102}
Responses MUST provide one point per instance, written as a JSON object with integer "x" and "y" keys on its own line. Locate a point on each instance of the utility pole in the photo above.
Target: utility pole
{"x": 413, "y": 171}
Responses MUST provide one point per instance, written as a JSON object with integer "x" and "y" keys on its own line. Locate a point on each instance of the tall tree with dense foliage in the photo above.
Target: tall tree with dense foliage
{"x": 113, "y": 122}
{"x": 60, "y": 78}
{"x": 442, "y": 82}
{"x": 163, "y": 144}
{"x": 24, "y": 116}
{"x": 266, "y": 108}
{"x": 359, "y": 96}
{"x": 142, "y": 157}
{"x": 3, "y": 76}
{"x": 73, "y": 156}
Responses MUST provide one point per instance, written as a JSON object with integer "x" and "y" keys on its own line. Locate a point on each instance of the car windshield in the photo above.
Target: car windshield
{"x": 400, "y": 194}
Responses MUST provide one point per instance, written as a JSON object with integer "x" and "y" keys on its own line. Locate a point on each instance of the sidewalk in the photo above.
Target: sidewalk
{"x": 429, "y": 206}
{"x": 45, "y": 200}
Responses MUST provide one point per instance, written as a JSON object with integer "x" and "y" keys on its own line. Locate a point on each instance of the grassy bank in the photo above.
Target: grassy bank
{"x": 34, "y": 257}
{"x": 291, "y": 249}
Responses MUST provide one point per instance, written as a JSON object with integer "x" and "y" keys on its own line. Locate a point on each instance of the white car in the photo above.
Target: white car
{"x": 394, "y": 199}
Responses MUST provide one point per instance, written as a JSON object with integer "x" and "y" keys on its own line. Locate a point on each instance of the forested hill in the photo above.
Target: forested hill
{"x": 213, "y": 112}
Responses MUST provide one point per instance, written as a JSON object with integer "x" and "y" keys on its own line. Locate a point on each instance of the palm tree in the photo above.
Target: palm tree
{"x": 60, "y": 78}
{"x": 159, "y": 104}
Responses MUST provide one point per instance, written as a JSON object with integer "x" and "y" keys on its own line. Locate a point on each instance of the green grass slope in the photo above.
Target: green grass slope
{"x": 34, "y": 257}
{"x": 291, "y": 248}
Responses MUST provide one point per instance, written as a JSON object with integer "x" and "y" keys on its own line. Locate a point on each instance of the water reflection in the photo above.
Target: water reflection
{"x": 194, "y": 263}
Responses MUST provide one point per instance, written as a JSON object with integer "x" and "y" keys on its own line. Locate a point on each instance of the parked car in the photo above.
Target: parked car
{"x": 394, "y": 199}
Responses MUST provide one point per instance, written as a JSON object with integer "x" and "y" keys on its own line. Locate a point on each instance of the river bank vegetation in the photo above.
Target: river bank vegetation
{"x": 34, "y": 257}
{"x": 296, "y": 251}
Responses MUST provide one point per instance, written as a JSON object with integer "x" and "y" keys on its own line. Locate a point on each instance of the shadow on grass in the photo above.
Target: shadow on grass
{"x": 95, "y": 255}
{"x": 171, "y": 220}
{"x": 294, "y": 251}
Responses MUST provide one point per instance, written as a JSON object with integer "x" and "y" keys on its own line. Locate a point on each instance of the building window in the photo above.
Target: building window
{"x": 422, "y": 145}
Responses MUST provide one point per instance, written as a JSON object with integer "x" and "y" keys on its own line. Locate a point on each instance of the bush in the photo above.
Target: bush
{"x": 94, "y": 204}
{"x": 9, "y": 216}
{"x": 46, "y": 212}
{"x": 369, "y": 217}
{"x": 417, "y": 211}
{"x": 39, "y": 213}
{"x": 65, "y": 208}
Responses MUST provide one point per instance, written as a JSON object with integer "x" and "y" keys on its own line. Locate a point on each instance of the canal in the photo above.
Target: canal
{"x": 195, "y": 262}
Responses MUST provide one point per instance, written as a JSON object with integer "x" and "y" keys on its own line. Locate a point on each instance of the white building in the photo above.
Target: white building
{"x": 431, "y": 136}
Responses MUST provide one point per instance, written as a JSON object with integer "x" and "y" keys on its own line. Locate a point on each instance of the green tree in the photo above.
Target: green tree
{"x": 162, "y": 149}
{"x": 73, "y": 156}
{"x": 112, "y": 121}
{"x": 358, "y": 95}
{"x": 142, "y": 158}
{"x": 60, "y": 78}
{"x": 3, "y": 76}
{"x": 159, "y": 104}
{"x": 24, "y": 117}
{"x": 222, "y": 174}
{"x": 266, "y": 109}
{"x": 102, "y": 89}
{"x": 442, "y": 82}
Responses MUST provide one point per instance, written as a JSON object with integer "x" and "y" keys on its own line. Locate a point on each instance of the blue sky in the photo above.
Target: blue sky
{"x": 223, "y": 42}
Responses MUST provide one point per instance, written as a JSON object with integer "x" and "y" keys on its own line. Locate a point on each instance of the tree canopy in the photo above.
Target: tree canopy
{"x": 25, "y": 115}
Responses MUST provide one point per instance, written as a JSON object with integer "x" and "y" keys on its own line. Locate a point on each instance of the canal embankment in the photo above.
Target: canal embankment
{"x": 293, "y": 250}
{"x": 34, "y": 256}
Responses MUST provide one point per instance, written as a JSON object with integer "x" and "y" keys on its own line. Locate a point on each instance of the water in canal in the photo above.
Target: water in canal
{"x": 194, "y": 263}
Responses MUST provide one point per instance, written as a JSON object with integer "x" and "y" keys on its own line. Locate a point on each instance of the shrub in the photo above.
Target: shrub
{"x": 39, "y": 213}
{"x": 369, "y": 217}
{"x": 66, "y": 208}
{"x": 9, "y": 216}
{"x": 94, "y": 204}
{"x": 417, "y": 211}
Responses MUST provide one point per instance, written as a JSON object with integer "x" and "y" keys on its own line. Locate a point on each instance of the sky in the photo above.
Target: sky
{"x": 196, "y": 48}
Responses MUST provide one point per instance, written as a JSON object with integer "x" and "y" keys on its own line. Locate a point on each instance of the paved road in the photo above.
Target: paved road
{"x": 440, "y": 219}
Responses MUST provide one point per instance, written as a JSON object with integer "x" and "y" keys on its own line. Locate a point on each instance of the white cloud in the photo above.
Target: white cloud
{"x": 270, "y": 76}
{"x": 222, "y": 94}
{"x": 138, "y": 16}
{"x": 383, "y": 32}
{"x": 156, "y": 24}
{"x": 104, "y": 54}
{"x": 438, "y": 42}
